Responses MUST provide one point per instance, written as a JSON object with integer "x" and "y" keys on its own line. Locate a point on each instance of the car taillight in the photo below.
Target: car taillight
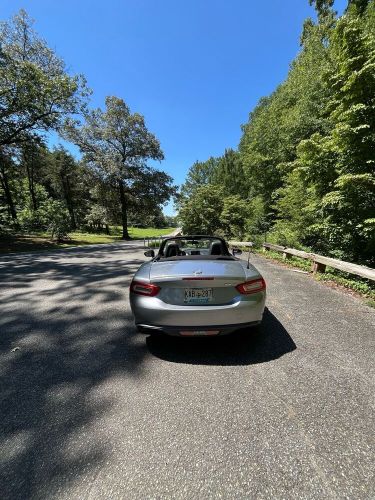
{"x": 253, "y": 286}
{"x": 144, "y": 288}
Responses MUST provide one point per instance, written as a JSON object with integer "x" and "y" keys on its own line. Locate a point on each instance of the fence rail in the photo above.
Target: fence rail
{"x": 319, "y": 262}
{"x": 241, "y": 243}
{"x": 154, "y": 241}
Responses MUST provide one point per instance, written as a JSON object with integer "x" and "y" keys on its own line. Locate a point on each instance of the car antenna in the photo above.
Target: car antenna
{"x": 248, "y": 257}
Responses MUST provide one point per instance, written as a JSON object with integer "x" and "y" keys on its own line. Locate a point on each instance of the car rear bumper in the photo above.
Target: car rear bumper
{"x": 153, "y": 312}
{"x": 196, "y": 331}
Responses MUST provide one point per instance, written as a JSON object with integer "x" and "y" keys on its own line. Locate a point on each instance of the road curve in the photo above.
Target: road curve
{"x": 90, "y": 409}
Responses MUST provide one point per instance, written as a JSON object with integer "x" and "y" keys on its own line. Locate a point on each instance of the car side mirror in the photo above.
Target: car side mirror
{"x": 237, "y": 251}
{"x": 150, "y": 253}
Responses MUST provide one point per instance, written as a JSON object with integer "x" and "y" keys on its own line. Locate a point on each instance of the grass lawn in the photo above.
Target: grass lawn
{"x": 42, "y": 241}
{"x": 142, "y": 232}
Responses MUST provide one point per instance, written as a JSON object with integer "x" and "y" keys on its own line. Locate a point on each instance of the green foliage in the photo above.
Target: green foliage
{"x": 338, "y": 166}
{"x": 30, "y": 218}
{"x": 59, "y": 223}
{"x": 50, "y": 215}
{"x": 199, "y": 174}
{"x": 234, "y": 216}
{"x": 323, "y": 7}
{"x": 6, "y": 222}
{"x": 36, "y": 92}
{"x": 229, "y": 173}
{"x": 208, "y": 211}
{"x": 364, "y": 287}
{"x": 223, "y": 180}
{"x": 201, "y": 213}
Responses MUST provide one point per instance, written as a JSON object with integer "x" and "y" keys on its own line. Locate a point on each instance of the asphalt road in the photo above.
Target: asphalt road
{"x": 91, "y": 409}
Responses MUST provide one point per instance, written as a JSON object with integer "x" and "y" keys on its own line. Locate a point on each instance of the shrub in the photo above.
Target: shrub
{"x": 59, "y": 221}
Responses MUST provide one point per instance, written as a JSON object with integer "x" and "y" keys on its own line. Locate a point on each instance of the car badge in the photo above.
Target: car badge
{"x": 197, "y": 272}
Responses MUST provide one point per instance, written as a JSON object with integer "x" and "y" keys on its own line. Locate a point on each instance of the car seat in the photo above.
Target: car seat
{"x": 216, "y": 248}
{"x": 172, "y": 250}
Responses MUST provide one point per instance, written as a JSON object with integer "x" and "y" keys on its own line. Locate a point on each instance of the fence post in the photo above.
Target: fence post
{"x": 317, "y": 267}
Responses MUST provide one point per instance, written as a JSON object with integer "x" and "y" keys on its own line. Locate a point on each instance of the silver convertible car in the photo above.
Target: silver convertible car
{"x": 194, "y": 286}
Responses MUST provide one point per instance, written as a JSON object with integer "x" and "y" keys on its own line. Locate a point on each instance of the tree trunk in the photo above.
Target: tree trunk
{"x": 69, "y": 202}
{"x": 124, "y": 211}
{"x": 7, "y": 192}
{"x": 30, "y": 178}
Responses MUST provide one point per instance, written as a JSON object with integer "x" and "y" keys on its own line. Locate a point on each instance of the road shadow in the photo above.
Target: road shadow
{"x": 261, "y": 344}
{"x": 65, "y": 333}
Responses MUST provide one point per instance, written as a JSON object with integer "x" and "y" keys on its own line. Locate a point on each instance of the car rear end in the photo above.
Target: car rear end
{"x": 192, "y": 298}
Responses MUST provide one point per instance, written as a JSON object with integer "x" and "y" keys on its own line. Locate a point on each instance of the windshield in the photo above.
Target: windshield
{"x": 190, "y": 247}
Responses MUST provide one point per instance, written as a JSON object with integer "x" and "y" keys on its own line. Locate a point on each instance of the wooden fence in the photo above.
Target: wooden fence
{"x": 155, "y": 241}
{"x": 319, "y": 263}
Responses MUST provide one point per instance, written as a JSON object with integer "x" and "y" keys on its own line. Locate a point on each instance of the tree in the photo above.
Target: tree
{"x": 64, "y": 174}
{"x": 199, "y": 174}
{"x": 323, "y": 7}
{"x": 201, "y": 213}
{"x": 360, "y": 5}
{"x": 229, "y": 174}
{"x": 117, "y": 144}
{"x": 234, "y": 215}
{"x": 58, "y": 220}
{"x": 36, "y": 93}
{"x": 8, "y": 172}
{"x": 349, "y": 207}
{"x": 32, "y": 158}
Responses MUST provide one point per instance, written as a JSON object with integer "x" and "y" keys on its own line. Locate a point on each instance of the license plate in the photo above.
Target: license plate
{"x": 198, "y": 295}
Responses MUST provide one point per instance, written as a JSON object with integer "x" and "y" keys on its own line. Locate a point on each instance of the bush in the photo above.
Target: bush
{"x": 59, "y": 221}
{"x": 7, "y": 224}
{"x": 51, "y": 215}
{"x": 33, "y": 220}
{"x": 282, "y": 234}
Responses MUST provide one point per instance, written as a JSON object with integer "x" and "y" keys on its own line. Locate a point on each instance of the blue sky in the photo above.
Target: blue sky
{"x": 193, "y": 68}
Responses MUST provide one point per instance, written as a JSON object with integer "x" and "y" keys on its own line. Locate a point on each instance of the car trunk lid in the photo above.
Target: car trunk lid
{"x": 197, "y": 282}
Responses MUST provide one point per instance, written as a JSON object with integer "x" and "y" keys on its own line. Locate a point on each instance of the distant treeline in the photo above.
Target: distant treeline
{"x": 44, "y": 188}
{"x": 304, "y": 170}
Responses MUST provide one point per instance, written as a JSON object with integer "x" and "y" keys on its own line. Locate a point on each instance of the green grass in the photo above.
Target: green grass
{"x": 140, "y": 232}
{"x": 358, "y": 285}
{"x": 361, "y": 286}
{"x": 136, "y": 233}
{"x": 42, "y": 240}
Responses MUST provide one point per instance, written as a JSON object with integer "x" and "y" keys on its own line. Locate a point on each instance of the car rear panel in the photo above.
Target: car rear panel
{"x": 227, "y": 307}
